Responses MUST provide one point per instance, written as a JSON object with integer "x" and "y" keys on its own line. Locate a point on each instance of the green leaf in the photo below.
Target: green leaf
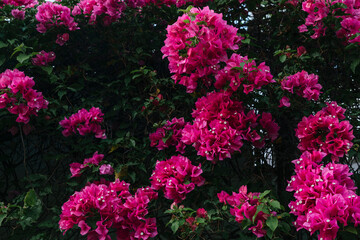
{"x": 282, "y": 58}
{"x": 284, "y": 227}
{"x": 169, "y": 211}
{"x": 284, "y": 214}
{"x": 262, "y": 195}
{"x": 128, "y": 80}
{"x": 246, "y": 41}
{"x": 132, "y": 142}
{"x": 76, "y": 87}
{"x": 72, "y": 184}
{"x": 200, "y": 220}
{"x": 175, "y": 226}
{"x": 2, "y": 59}
{"x": 186, "y": 10}
{"x": 139, "y": 51}
{"x": 201, "y": 23}
{"x": 2, "y": 44}
{"x": 351, "y": 229}
{"x": 22, "y": 57}
{"x": 2, "y": 217}
{"x": 186, "y": 21}
{"x": 277, "y": 52}
{"x": 47, "y": 69}
{"x": 167, "y": 137}
{"x": 275, "y": 204}
{"x": 11, "y": 41}
{"x": 181, "y": 222}
{"x": 30, "y": 198}
{"x": 19, "y": 48}
{"x": 269, "y": 233}
{"x": 38, "y": 236}
{"x": 272, "y": 222}
{"x": 354, "y": 64}
{"x": 245, "y": 223}
{"x": 351, "y": 46}
{"x": 61, "y": 93}
{"x": 132, "y": 175}
{"x": 137, "y": 75}
{"x": 238, "y": 68}
{"x": 31, "y": 214}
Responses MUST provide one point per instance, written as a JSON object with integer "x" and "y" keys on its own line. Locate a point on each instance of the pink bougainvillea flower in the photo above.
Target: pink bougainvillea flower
{"x": 244, "y": 206}
{"x": 62, "y": 38}
{"x": 220, "y": 126}
{"x": 112, "y": 10}
{"x": 195, "y": 45}
{"x": 21, "y": 3}
{"x": 106, "y": 169}
{"x": 51, "y": 14}
{"x": 43, "y": 58}
{"x": 19, "y": 97}
{"x": 114, "y": 206}
{"x": 324, "y": 195}
{"x": 241, "y": 72}
{"x": 202, "y": 213}
{"x": 176, "y": 177}
{"x": 325, "y": 132}
{"x": 169, "y": 135}
{"x": 303, "y": 84}
{"x": 318, "y": 11}
{"x": 284, "y": 102}
{"x": 84, "y": 122}
{"x": 76, "y": 168}
{"x": 301, "y": 51}
{"x": 19, "y": 14}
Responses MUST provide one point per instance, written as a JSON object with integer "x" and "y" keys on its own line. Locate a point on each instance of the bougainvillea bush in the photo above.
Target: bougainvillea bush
{"x": 189, "y": 119}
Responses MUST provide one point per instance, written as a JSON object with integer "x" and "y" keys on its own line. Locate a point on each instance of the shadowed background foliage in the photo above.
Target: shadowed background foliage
{"x": 119, "y": 68}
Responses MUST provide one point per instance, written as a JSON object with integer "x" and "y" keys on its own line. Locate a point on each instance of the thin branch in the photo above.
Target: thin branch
{"x": 24, "y": 149}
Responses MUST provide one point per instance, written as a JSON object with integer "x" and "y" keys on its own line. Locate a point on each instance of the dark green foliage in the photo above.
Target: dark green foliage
{"x": 118, "y": 68}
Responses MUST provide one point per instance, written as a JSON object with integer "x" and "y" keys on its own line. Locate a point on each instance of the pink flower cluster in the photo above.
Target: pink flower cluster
{"x": 220, "y": 126}
{"x": 18, "y": 14}
{"x": 43, "y": 58}
{"x": 178, "y": 3}
{"x": 84, "y": 122}
{"x": 242, "y": 72}
{"x": 244, "y": 206}
{"x": 76, "y": 168}
{"x": 318, "y": 10}
{"x": 112, "y": 9}
{"x": 325, "y": 196}
{"x": 301, "y": 50}
{"x": 20, "y": 3}
{"x": 106, "y": 169}
{"x": 195, "y": 45}
{"x": 192, "y": 221}
{"x": 52, "y": 14}
{"x": 18, "y": 96}
{"x": 61, "y": 39}
{"x": 324, "y": 132}
{"x": 114, "y": 207}
{"x": 176, "y": 177}
{"x": 350, "y": 26}
{"x": 303, "y": 84}
{"x": 169, "y": 135}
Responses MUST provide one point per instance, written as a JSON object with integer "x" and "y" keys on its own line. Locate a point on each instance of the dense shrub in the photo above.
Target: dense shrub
{"x": 99, "y": 98}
